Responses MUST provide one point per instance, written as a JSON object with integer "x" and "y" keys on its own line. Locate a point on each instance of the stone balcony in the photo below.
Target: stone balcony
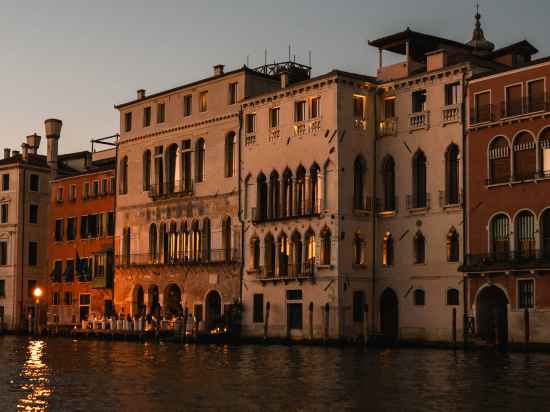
{"x": 419, "y": 121}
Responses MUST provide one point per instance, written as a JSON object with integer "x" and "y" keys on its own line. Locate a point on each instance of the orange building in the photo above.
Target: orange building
{"x": 80, "y": 253}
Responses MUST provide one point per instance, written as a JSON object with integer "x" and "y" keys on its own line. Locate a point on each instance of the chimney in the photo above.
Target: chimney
{"x": 284, "y": 80}
{"x": 15, "y": 153}
{"x": 141, "y": 94}
{"x": 7, "y": 153}
{"x": 25, "y": 151}
{"x": 53, "y": 132}
{"x": 218, "y": 69}
{"x": 33, "y": 141}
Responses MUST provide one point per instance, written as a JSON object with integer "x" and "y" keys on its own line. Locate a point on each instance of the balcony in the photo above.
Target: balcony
{"x": 419, "y": 120}
{"x": 388, "y": 127}
{"x": 287, "y": 273}
{"x": 451, "y": 114}
{"x": 302, "y": 212}
{"x": 505, "y": 261}
{"x": 359, "y": 123}
{"x": 249, "y": 139}
{"x": 366, "y": 206}
{"x": 418, "y": 202}
{"x": 179, "y": 188}
{"x": 387, "y": 206}
{"x": 274, "y": 135}
{"x": 510, "y": 109}
{"x": 449, "y": 200}
{"x": 215, "y": 257}
{"x": 498, "y": 180}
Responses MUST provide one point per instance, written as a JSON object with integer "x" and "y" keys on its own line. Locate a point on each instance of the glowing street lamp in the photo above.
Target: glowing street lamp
{"x": 37, "y": 293}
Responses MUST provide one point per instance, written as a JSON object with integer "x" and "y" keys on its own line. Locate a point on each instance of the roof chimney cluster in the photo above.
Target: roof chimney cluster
{"x": 7, "y": 153}
{"x": 141, "y": 94}
{"x": 218, "y": 69}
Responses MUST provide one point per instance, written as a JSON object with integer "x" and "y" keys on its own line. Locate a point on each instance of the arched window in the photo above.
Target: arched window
{"x": 388, "y": 177}
{"x": 525, "y": 234}
{"x": 146, "y": 170}
{"x": 200, "y": 151}
{"x": 545, "y": 233}
{"x": 419, "y": 197}
{"x": 419, "y": 248}
{"x": 500, "y": 234}
{"x": 453, "y": 249}
{"x": 327, "y": 179}
{"x": 274, "y": 201}
{"x": 206, "y": 240}
{"x": 124, "y": 175}
{"x": 544, "y": 157}
{"x": 173, "y": 174}
{"x": 451, "y": 175}
{"x": 230, "y": 158}
{"x": 255, "y": 253}
{"x": 261, "y": 198}
{"x": 153, "y": 242}
{"x": 326, "y": 247}
{"x": 525, "y": 157}
{"x": 453, "y": 297}
{"x": 185, "y": 241}
{"x": 226, "y": 238}
{"x": 359, "y": 170}
{"x": 358, "y": 249}
{"x": 387, "y": 250}
{"x": 499, "y": 161}
{"x": 419, "y": 297}
{"x": 310, "y": 250}
{"x": 300, "y": 191}
{"x": 314, "y": 199}
{"x": 126, "y": 245}
{"x": 196, "y": 252}
{"x": 287, "y": 198}
{"x": 284, "y": 252}
{"x": 296, "y": 248}
{"x": 173, "y": 243}
{"x": 163, "y": 243}
{"x": 247, "y": 184}
{"x": 270, "y": 255}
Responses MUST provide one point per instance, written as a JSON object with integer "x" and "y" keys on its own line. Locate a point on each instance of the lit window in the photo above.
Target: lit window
{"x": 359, "y": 106}
{"x": 233, "y": 92}
{"x": 274, "y": 117}
{"x": 315, "y": 110}
{"x": 251, "y": 123}
{"x": 187, "y": 105}
{"x": 300, "y": 111}
{"x": 203, "y": 101}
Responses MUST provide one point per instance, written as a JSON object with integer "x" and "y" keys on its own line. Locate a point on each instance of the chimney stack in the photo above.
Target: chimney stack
{"x": 15, "y": 153}
{"x": 218, "y": 69}
{"x": 7, "y": 153}
{"x": 25, "y": 151}
{"x": 33, "y": 141}
{"x": 141, "y": 94}
{"x": 53, "y": 132}
{"x": 284, "y": 80}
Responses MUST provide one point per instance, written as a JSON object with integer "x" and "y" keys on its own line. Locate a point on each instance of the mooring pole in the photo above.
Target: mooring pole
{"x": 311, "y": 320}
{"x": 266, "y": 323}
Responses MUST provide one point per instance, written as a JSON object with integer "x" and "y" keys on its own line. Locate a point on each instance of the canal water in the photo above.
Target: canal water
{"x": 66, "y": 375}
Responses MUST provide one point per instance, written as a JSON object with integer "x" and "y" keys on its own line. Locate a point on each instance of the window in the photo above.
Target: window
{"x": 4, "y": 213}
{"x": 95, "y": 188}
{"x": 59, "y": 228}
{"x": 31, "y": 285}
{"x": 419, "y": 101}
{"x": 230, "y": 158}
{"x": 86, "y": 190}
{"x": 71, "y": 228}
{"x": 59, "y": 195}
{"x": 270, "y": 255}
{"x": 453, "y": 249}
{"x": 126, "y": 244}
{"x": 2, "y": 288}
{"x": 499, "y": 161}
{"x": 326, "y": 244}
{"x": 500, "y": 234}
{"x": 514, "y": 104}
{"x": 33, "y": 253}
{"x": 72, "y": 192}
{"x": 525, "y": 157}
{"x": 187, "y": 105}
{"x": 359, "y": 170}
{"x": 55, "y": 298}
{"x": 274, "y": 117}
{"x": 56, "y": 272}
{"x": 544, "y": 155}
{"x": 203, "y": 101}
{"x": 111, "y": 224}
{"x": 33, "y": 214}
{"x": 103, "y": 186}
{"x": 200, "y": 151}
{"x": 419, "y": 197}
{"x": 258, "y": 308}
{"x": 112, "y": 184}
{"x": 233, "y": 92}
{"x": 146, "y": 170}
{"x": 99, "y": 265}
{"x": 124, "y": 175}
{"x": 3, "y": 253}
{"x": 451, "y": 94}
{"x": 389, "y": 108}
{"x": 315, "y": 108}
{"x": 359, "y": 106}
{"x": 419, "y": 248}
{"x": 5, "y": 182}
{"x": 68, "y": 298}
{"x": 525, "y": 234}
{"x": 251, "y": 123}
{"x": 69, "y": 271}
{"x": 84, "y": 227}
{"x": 451, "y": 175}
{"x": 453, "y": 297}
{"x": 161, "y": 112}
{"x": 535, "y": 95}
{"x": 526, "y": 293}
{"x": 389, "y": 184}
{"x": 85, "y": 299}
{"x": 300, "y": 111}
{"x": 128, "y": 121}
{"x": 358, "y": 249}
{"x": 147, "y": 116}
{"x": 34, "y": 183}
{"x": 482, "y": 107}
{"x": 419, "y": 297}
{"x": 387, "y": 250}
{"x": 358, "y": 306}
{"x": 310, "y": 252}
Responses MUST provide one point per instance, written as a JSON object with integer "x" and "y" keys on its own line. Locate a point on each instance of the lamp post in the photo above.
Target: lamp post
{"x": 37, "y": 292}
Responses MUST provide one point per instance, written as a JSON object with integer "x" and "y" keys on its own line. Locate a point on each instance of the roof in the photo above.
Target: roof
{"x": 420, "y": 43}
{"x": 243, "y": 69}
{"x": 505, "y": 69}
{"x": 33, "y": 159}
{"x": 522, "y": 47}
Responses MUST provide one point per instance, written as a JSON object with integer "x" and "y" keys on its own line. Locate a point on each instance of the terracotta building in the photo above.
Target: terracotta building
{"x": 508, "y": 217}
{"x": 81, "y": 230}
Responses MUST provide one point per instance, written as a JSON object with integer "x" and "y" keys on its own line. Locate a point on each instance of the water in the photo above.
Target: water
{"x": 65, "y": 375}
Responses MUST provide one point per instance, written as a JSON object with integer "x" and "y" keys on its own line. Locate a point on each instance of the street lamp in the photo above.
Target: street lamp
{"x": 37, "y": 293}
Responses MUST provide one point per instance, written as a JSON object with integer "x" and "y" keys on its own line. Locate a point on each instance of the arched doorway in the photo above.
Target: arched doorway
{"x": 389, "y": 315}
{"x": 213, "y": 308}
{"x": 138, "y": 308}
{"x": 172, "y": 301}
{"x": 153, "y": 300}
{"x": 492, "y": 315}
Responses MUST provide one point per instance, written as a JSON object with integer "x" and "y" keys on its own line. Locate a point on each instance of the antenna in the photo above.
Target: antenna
{"x": 309, "y": 53}
{"x": 289, "y": 51}
{"x": 265, "y": 57}
{"x": 247, "y": 60}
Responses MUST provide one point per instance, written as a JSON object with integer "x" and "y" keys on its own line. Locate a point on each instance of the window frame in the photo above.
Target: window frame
{"x": 31, "y": 185}
{"x": 128, "y": 121}
{"x": 203, "y": 101}
{"x": 520, "y": 304}
{"x": 187, "y": 105}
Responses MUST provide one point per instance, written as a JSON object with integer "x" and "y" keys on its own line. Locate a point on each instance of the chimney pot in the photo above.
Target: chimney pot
{"x": 15, "y": 153}
{"x": 53, "y": 132}
{"x": 7, "y": 153}
{"x": 53, "y": 128}
{"x": 141, "y": 94}
{"x": 284, "y": 80}
{"x": 218, "y": 69}
{"x": 33, "y": 141}
{"x": 25, "y": 151}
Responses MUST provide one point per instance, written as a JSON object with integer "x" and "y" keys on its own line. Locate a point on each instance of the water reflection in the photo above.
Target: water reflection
{"x": 35, "y": 385}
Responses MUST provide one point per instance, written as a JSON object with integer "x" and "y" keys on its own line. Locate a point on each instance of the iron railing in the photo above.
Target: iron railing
{"x": 171, "y": 189}
{"x": 510, "y": 108}
{"x": 419, "y": 201}
{"x": 518, "y": 259}
{"x": 387, "y": 205}
{"x": 266, "y": 215}
{"x": 305, "y": 270}
{"x": 213, "y": 256}
{"x": 452, "y": 198}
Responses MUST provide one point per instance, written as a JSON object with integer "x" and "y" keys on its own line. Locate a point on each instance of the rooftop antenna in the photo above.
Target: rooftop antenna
{"x": 265, "y": 57}
{"x": 289, "y": 52}
{"x": 309, "y": 53}
{"x": 247, "y": 60}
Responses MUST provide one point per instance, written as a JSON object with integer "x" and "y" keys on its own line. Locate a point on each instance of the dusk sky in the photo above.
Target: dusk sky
{"x": 74, "y": 60}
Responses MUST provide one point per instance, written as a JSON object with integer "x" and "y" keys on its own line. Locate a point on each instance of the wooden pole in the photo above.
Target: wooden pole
{"x": 327, "y": 309}
{"x": 311, "y": 320}
{"x": 365, "y": 323}
{"x": 454, "y": 327}
{"x": 266, "y": 323}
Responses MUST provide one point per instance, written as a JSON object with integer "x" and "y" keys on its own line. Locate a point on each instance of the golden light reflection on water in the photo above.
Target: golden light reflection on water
{"x": 35, "y": 386}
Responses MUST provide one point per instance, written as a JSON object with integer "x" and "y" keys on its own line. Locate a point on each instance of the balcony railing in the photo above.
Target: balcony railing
{"x": 452, "y": 113}
{"x": 366, "y": 205}
{"x": 510, "y": 108}
{"x": 171, "y": 189}
{"x": 359, "y": 123}
{"x": 508, "y": 260}
{"x": 387, "y": 205}
{"x": 259, "y": 216}
{"x": 450, "y": 199}
{"x": 214, "y": 256}
{"x": 286, "y": 272}
{"x": 388, "y": 127}
{"x": 421, "y": 201}
{"x": 419, "y": 120}
{"x": 517, "y": 177}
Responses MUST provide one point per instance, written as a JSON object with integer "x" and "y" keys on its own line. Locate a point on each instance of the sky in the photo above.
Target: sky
{"x": 75, "y": 59}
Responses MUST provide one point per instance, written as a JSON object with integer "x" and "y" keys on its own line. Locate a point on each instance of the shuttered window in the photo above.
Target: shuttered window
{"x": 526, "y": 293}
{"x": 525, "y": 157}
{"x": 500, "y": 234}
{"x": 513, "y": 100}
{"x": 535, "y": 90}
{"x": 482, "y": 107}
{"x": 525, "y": 232}
{"x": 499, "y": 161}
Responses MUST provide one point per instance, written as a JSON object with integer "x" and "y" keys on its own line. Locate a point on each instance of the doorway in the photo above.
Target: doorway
{"x": 492, "y": 315}
{"x": 389, "y": 315}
